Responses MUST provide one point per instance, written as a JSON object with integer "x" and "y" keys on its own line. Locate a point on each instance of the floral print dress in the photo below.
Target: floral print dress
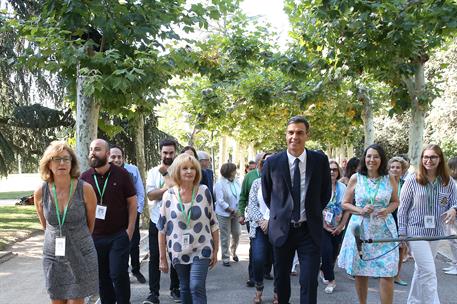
{"x": 379, "y": 259}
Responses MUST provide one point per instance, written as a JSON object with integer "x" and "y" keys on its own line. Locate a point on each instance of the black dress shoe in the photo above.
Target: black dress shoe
{"x": 268, "y": 277}
{"x": 235, "y": 258}
{"x": 139, "y": 277}
{"x": 250, "y": 283}
{"x": 226, "y": 264}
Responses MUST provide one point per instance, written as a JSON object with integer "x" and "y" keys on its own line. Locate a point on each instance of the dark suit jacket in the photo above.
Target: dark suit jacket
{"x": 276, "y": 189}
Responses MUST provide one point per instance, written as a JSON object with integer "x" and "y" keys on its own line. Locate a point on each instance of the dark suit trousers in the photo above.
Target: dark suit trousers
{"x": 135, "y": 246}
{"x": 154, "y": 272}
{"x": 309, "y": 256}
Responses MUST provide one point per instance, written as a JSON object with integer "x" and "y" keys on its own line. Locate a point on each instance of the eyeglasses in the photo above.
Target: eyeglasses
{"x": 58, "y": 160}
{"x": 432, "y": 158}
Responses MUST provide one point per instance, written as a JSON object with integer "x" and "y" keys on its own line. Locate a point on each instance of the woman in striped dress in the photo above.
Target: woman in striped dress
{"x": 428, "y": 201}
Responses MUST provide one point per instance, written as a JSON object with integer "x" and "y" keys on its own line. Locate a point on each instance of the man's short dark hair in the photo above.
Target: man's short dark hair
{"x": 298, "y": 119}
{"x": 117, "y": 147}
{"x": 251, "y": 162}
{"x": 168, "y": 142}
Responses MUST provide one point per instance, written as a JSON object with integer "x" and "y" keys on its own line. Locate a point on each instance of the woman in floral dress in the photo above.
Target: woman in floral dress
{"x": 375, "y": 199}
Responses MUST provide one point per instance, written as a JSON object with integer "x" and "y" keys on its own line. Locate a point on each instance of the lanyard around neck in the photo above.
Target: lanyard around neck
{"x": 189, "y": 213}
{"x": 60, "y": 220}
{"x": 233, "y": 189}
{"x": 431, "y": 189}
{"x": 101, "y": 193}
{"x": 372, "y": 197}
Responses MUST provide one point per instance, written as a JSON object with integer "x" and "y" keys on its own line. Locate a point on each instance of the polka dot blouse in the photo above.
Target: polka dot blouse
{"x": 187, "y": 244}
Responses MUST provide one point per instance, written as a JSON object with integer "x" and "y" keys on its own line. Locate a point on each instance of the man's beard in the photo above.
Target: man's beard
{"x": 96, "y": 162}
{"x": 167, "y": 161}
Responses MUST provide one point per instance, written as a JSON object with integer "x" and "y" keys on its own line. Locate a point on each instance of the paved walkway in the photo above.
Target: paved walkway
{"x": 21, "y": 281}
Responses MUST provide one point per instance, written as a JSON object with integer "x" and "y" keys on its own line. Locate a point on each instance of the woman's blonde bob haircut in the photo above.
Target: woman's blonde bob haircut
{"x": 52, "y": 150}
{"x": 179, "y": 162}
{"x": 398, "y": 159}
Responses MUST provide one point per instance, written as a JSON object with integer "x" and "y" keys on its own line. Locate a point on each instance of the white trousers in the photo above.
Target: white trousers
{"x": 424, "y": 286}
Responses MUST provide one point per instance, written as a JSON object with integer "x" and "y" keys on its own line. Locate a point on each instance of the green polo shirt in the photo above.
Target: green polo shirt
{"x": 245, "y": 188}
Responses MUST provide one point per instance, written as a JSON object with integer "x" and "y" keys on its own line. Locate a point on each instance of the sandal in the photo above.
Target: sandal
{"x": 275, "y": 298}
{"x": 258, "y": 298}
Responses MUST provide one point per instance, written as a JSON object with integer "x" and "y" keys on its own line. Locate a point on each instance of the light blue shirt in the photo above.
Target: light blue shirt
{"x": 138, "y": 183}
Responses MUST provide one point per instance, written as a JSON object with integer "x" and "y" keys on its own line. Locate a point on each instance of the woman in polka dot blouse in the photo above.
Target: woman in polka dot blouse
{"x": 188, "y": 229}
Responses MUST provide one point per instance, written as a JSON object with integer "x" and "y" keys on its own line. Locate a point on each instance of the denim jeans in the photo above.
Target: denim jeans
{"x": 192, "y": 281}
{"x": 261, "y": 252}
{"x": 113, "y": 267}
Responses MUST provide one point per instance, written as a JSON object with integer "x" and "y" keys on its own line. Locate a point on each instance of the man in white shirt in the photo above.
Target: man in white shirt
{"x": 157, "y": 182}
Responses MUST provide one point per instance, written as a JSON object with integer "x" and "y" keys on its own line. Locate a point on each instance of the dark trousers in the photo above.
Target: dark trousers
{"x": 329, "y": 252}
{"x": 135, "y": 246}
{"x": 154, "y": 257}
{"x": 113, "y": 267}
{"x": 308, "y": 251}
{"x": 250, "y": 264}
{"x": 261, "y": 254}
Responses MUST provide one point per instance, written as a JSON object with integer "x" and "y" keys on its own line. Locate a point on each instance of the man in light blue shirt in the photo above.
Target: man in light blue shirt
{"x": 117, "y": 158}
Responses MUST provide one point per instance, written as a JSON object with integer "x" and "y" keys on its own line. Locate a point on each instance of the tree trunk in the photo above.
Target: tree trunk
{"x": 141, "y": 163}
{"x": 251, "y": 152}
{"x": 87, "y": 112}
{"x": 367, "y": 117}
{"x": 416, "y": 130}
{"x": 223, "y": 153}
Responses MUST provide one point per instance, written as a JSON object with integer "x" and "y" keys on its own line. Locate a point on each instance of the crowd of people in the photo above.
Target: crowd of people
{"x": 301, "y": 210}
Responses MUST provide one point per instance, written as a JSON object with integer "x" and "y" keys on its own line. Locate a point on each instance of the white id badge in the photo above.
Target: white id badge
{"x": 328, "y": 216}
{"x": 186, "y": 241}
{"x": 429, "y": 221}
{"x": 100, "y": 212}
{"x": 60, "y": 246}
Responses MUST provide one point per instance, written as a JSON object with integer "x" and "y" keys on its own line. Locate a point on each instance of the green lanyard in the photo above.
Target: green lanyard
{"x": 233, "y": 189}
{"x": 372, "y": 197}
{"x": 400, "y": 184}
{"x": 431, "y": 189}
{"x": 101, "y": 193}
{"x": 189, "y": 213}
{"x": 61, "y": 221}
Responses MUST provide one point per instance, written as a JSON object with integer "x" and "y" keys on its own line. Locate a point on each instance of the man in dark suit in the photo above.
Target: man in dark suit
{"x": 296, "y": 187}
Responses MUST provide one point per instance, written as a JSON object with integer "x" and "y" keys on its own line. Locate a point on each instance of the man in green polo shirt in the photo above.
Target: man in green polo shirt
{"x": 249, "y": 178}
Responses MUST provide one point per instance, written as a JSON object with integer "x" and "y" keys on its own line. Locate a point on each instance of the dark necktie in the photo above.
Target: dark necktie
{"x": 296, "y": 191}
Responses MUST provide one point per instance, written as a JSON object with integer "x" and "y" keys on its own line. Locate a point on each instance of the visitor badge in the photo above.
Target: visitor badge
{"x": 186, "y": 241}
{"x": 328, "y": 216}
{"x": 60, "y": 246}
{"x": 100, "y": 212}
{"x": 429, "y": 221}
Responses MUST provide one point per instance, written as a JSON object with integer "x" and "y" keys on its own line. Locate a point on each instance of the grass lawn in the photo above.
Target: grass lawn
{"x": 14, "y": 195}
{"x": 17, "y": 222}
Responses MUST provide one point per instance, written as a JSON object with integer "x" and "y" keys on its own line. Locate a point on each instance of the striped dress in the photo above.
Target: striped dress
{"x": 417, "y": 201}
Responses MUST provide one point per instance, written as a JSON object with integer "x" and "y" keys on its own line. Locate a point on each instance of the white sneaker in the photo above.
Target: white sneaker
{"x": 453, "y": 271}
{"x": 329, "y": 288}
{"x": 448, "y": 268}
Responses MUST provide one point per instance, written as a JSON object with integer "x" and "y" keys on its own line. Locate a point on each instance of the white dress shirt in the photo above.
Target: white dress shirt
{"x": 154, "y": 181}
{"x": 302, "y": 166}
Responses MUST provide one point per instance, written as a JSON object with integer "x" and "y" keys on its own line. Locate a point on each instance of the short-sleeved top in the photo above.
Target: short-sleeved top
{"x": 203, "y": 222}
{"x": 118, "y": 189}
